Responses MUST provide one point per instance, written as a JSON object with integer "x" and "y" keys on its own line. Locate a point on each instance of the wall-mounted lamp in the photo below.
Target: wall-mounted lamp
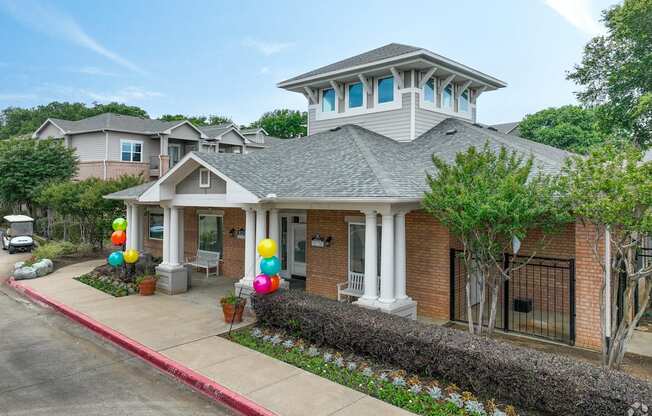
{"x": 318, "y": 241}
{"x": 237, "y": 233}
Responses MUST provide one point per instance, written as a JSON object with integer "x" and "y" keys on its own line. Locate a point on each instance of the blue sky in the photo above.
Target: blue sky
{"x": 226, "y": 57}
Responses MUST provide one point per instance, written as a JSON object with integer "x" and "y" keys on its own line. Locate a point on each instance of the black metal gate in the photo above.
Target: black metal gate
{"x": 537, "y": 300}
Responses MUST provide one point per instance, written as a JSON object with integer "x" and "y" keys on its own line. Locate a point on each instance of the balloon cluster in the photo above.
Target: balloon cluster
{"x": 268, "y": 281}
{"x": 118, "y": 238}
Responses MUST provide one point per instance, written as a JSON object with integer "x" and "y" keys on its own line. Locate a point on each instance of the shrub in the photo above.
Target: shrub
{"x": 526, "y": 378}
{"x": 56, "y": 249}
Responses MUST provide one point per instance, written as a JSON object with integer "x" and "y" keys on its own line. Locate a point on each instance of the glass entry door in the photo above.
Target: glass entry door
{"x": 293, "y": 246}
{"x": 174, "y": 151}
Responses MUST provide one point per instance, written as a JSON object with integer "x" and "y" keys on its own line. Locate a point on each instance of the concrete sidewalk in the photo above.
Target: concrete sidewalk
{"x": 184, "y": 329}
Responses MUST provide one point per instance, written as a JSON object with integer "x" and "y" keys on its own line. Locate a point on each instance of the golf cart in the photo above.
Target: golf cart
{"x": 16, "y": 235}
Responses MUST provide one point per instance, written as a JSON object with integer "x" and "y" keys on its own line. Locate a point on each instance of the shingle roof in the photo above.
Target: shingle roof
{"x": 131, "y": 193}
{"x": 215, "y": 130}
{"x": 113, "y": 121}
{"x": 391, "y": 50}
{"x": 353, "y": 162}
{"x": 506, "y": 128}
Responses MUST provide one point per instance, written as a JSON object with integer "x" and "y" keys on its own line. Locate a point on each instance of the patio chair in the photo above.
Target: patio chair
{"x": 205, "y": 260}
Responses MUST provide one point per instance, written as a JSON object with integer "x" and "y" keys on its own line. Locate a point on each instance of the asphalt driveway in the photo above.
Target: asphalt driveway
{"x": 52, "y": 366}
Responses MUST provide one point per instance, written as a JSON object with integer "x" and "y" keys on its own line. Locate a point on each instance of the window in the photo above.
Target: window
{"x": 356, "y": 247}
{"x": 328, "y": 100}
{"x": 131, "y": 151}
{"x": 155, "y": 226}
{"x": 429, "y": 91}
{"x": 447, "y": 97}
{"x": 174, "y": 151}
{"x": 463, "y": 102}
{"x": 204, "y": 178}
{"x": 355, "y": 98}
{"x": 385, "y": 88}
{"x": 211, "y": 233}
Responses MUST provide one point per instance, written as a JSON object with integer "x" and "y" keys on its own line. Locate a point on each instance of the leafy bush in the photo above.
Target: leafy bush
{"x": 107, "y": 285}
{"x": 524, "y": 377}
{"x": 56, "y": 249}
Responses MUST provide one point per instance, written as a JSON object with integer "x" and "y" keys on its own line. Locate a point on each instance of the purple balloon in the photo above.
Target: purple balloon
{"x": 262, "y": 284}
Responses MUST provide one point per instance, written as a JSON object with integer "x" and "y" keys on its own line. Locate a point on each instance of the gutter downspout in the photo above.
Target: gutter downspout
{"x": 607, "y": 287}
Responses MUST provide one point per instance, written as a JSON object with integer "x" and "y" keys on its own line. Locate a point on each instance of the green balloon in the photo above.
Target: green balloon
{"x": 119, "y": 224}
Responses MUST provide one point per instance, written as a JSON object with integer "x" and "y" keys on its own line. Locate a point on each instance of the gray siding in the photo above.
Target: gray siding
{"x": 185, "y": 132}
{"x": 232, "y": 138}
{"x": 426, "y": 119}
{"x": 391, "y": 123}
{"x": 190, "y": 185}
{"x": 150, "y": 146}
{"x": 50, "y": 131}
{"x": 89, "y": 146}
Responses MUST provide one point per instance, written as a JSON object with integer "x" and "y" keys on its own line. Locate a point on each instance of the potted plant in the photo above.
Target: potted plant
{"x": 146, "y": 284}
{"x": 233, "y": 307}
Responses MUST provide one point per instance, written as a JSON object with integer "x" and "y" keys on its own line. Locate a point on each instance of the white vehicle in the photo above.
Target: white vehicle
{"x": 17, "y": 234}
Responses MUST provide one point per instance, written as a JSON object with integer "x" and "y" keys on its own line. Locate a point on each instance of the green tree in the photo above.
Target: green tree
{"x": 487, "y": 200}
{"x": 209, "y": 120}
{"x": 616, "y": 72}
{"x": 15, "y": 121}
{"x": 283, "y": 123}
{"x": 27, "y": 165}
{"x": 612, "y": 191}
{"x": 569, "y": 127}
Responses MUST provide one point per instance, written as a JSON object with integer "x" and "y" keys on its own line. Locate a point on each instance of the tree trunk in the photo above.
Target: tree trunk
{"x": 494, "y": 305}
{"x": 469, "y": 308}
{"x": 65, "y": 228}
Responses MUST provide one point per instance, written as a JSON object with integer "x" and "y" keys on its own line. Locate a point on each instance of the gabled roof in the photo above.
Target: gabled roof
{"x": 131, "y": 193}
{"x": 507, "y": 128}
{"x": 116, "y": 122}
{"x": 215, "y": 130}
{"x": 351, "y": 162}
{"x": 389, "y": 53}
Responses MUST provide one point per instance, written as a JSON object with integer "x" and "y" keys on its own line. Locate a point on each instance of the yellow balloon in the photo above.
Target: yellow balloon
{"x": 130, "y": 256}
{"x": 267, "y": 248}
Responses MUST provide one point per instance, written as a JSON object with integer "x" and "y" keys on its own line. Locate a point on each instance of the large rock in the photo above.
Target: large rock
{"x": 41, "y": 268}
{"x": 49, "y": 264}
{"x": 25, "y": 273}
{"x": 18, "y": 265}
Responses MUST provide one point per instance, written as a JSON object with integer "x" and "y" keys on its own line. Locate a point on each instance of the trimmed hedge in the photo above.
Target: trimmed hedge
{"x": 523, "y": 377}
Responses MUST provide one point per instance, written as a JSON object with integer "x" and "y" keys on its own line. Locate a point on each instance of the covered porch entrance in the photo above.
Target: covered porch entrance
{"x": 293, "y": 245}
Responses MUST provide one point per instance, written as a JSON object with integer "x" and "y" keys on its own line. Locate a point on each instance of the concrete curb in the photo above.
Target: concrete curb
{"x": 194, "y": 380}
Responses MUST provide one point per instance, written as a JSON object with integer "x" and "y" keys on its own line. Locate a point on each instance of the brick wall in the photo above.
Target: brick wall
{"x": 588, "y": 283}
{"x": 327, "y": 266}
{"x": 90, "y": 170}
{"x": 428, "y": 265}
{"x": 114, "y": 169}
{"x": 233, "y": 255}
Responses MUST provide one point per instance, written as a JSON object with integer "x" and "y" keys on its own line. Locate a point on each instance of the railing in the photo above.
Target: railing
{"x": 537, "y": 300}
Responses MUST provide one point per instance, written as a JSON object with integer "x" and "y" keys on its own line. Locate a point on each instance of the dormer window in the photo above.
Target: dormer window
{"x": 463, "y": 102}
{"x": 385, "y": 90}
{"x": 354, "y": 95}
{"x": 447, "y": 97}
{"x": 429, "y": 91}
{"x": 204, "y": 178}
{"x": 328, "y": 100}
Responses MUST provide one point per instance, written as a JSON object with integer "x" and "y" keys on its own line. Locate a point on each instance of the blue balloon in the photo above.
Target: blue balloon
{"x": 270, "y": 265}
{"x": 116, "y": 259}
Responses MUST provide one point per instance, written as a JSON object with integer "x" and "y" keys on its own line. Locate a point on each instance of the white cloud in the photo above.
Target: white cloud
{"x": 124, "y": 95}
{"x": 17, "y": 97}
{"x": 578, "y": 13}
{"x": 54, "y": 23}
{"x": 264, "y": 70}
{"x": 265, "y": 47}
{"x": 93, "y": 70}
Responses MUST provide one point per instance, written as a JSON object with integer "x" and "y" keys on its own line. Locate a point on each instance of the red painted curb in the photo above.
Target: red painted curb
{"x": 196, "y": 381}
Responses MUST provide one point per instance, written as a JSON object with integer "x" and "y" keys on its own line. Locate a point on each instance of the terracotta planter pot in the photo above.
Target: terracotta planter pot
{"x": 230, "y": 309}
{"x": 147, "y": 287}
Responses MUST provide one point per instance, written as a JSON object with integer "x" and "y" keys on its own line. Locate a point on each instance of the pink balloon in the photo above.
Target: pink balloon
{"x": 262, "y": 284}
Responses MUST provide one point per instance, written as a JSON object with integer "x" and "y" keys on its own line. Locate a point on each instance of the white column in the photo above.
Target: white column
{"x": 130, "y": 242}
{"x": 273, "y": 225}
{"x": 174, "y": 236}
{"x": 387, "y": 260}
{"x": 399, "y": 256}
{"x": 250, "y": 241}
{"x": 136, "y": 228}
{"x": 182, "y": 256}
{"x": 166, "y": 235}
{"x": 370, "y": 258}
{"x": 261, "y": 232}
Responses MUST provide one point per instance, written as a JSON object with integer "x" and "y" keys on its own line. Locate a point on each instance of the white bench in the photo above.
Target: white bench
{"x": 205, "y": 260}
{"x": 353, "y": 287}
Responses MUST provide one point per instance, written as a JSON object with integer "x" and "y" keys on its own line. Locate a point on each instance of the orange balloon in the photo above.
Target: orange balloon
{"x": 276, "y": 282}
{"x": 118, "y": 238}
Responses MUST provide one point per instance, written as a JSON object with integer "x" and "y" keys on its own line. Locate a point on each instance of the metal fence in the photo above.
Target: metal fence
{"x": 537, "y": 300}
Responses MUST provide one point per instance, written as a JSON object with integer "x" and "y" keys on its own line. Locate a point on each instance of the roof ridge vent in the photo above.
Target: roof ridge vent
{"x": 451, "y": 132}
{"x": 492, "y": 128}
{"x": 336, "y": 128}
{"x": 478, "y": 125}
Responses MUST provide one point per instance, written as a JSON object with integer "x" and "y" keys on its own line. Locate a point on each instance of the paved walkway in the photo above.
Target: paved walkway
{"x": 184, "y": 327}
